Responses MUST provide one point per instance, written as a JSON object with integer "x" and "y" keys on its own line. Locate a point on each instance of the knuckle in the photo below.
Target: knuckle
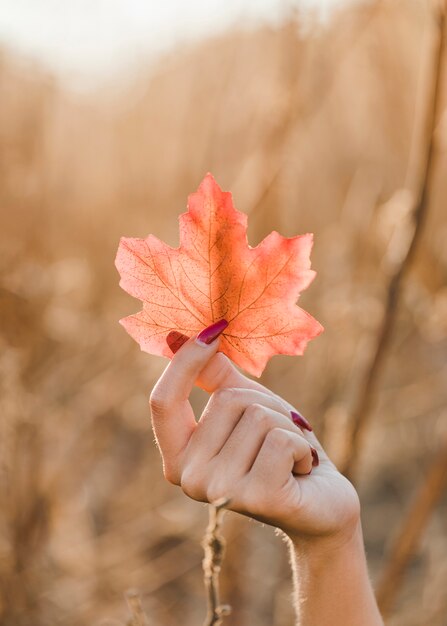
{"x": 215, "y": 491}
{"x": 278, "y": 439}
{"x": 223, "y": 396}
{"x": 256, "y": 413}
{"x": 222, "y": 371}
{"x": 192, "y": 485}
{"x": 158, "y": 401}
{"x": 171, "y": 474}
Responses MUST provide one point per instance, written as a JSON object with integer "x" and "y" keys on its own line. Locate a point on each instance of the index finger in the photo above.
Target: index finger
{"x": 172, "y": 415}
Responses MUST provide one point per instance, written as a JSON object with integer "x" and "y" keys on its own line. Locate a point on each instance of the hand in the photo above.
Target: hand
{"x": 246, "y": 447}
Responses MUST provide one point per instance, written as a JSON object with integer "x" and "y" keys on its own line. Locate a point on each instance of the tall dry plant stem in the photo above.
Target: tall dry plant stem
{"x": 214, "y": 547}
{"x": 416, "y": 519}
{"x": 297, "y": 113}
{"x": 138, "y": 616}
{"x": 419, "y": 184}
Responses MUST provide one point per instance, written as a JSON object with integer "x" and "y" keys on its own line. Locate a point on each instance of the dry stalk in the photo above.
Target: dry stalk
{"x": 214, "y": 547}
{"x": 297, "y": 113}
{"x": 138, "y": 616}
{"x": 419, "y": 183}
{"x": 413, "y": 525}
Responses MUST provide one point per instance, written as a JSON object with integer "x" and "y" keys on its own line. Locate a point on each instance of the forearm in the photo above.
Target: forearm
{"x": 332, "y": 586}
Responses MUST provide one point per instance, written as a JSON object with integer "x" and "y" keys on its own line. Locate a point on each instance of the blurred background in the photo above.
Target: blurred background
{"x": 314, "y": 114}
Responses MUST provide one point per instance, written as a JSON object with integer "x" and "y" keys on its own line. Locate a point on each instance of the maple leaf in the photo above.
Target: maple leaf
{"x": 216, "y": 274}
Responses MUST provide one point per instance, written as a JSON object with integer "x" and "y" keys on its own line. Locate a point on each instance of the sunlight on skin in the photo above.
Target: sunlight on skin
{"x": 247, "y": 449}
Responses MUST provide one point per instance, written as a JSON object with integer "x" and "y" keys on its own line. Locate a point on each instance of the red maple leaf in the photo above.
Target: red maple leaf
{"x": 215, "y": 274}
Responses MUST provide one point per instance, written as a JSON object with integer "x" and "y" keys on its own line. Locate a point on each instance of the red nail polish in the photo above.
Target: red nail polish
{"x": 210, "y": 333}
{"x": 315, "y": 457}
{"x": 300, "y": 421}
{"x": 175, "y": 340}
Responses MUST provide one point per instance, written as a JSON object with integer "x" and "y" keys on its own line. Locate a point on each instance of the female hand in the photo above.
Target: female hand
{"x": 246, "y": 447}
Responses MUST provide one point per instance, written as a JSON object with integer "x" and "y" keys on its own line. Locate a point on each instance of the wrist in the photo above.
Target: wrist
{"x": 333, "y": 528}
{"x": 331, "y": 580}
{"x": 321, "y": 551}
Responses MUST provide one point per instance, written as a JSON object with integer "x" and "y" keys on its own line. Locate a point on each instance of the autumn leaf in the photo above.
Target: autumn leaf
{"x": 216, "y": 274}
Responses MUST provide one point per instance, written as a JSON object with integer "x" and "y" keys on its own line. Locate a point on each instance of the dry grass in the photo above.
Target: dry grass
{"x": 311, "y": 130}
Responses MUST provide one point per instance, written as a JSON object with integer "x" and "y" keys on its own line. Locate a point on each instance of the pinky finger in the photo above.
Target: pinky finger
{"x": 282, "y": 453}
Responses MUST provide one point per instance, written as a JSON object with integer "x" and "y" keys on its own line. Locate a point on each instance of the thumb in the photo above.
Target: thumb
{"x": 218, "y": 372}
{"x": 185, "y": 367}
{"x": 172, "y": 416}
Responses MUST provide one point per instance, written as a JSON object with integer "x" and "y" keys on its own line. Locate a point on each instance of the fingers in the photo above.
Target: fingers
{"x": 197, "y": 361}
{"x": 282, "y": 453}
{"x": 225, "y": 473}
{"x": 172, "y": 416}
{"x": 187, "y": 363}
{"x": 174, "y": 423}
{"x": 218, "y": 372}
{"x": 242, "y": 447}
{"x": 222, "y": 413}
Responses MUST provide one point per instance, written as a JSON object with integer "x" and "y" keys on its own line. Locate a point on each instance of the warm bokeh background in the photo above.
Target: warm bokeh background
{"x": 310, "y": 127}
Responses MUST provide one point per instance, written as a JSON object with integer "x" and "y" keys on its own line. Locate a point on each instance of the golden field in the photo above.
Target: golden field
{"x": 314, "y": 129}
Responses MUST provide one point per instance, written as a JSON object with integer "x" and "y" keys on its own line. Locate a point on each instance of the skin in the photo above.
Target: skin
{"x": 245, "y": 447}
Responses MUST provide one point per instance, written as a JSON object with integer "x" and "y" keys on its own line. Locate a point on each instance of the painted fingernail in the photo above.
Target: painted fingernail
{"x": 210, "y": 333}
{"x": 315, "y": 457}
{"x": 175, "y": 340}
{"x": 300, "y": 421}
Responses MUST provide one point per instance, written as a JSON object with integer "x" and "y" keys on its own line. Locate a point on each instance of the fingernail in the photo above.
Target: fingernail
{"x": 300, "y": 421}
{"x": 210, "y": 333}
{"x": 175, "y": 340}
{"x": 315, "y": 457}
